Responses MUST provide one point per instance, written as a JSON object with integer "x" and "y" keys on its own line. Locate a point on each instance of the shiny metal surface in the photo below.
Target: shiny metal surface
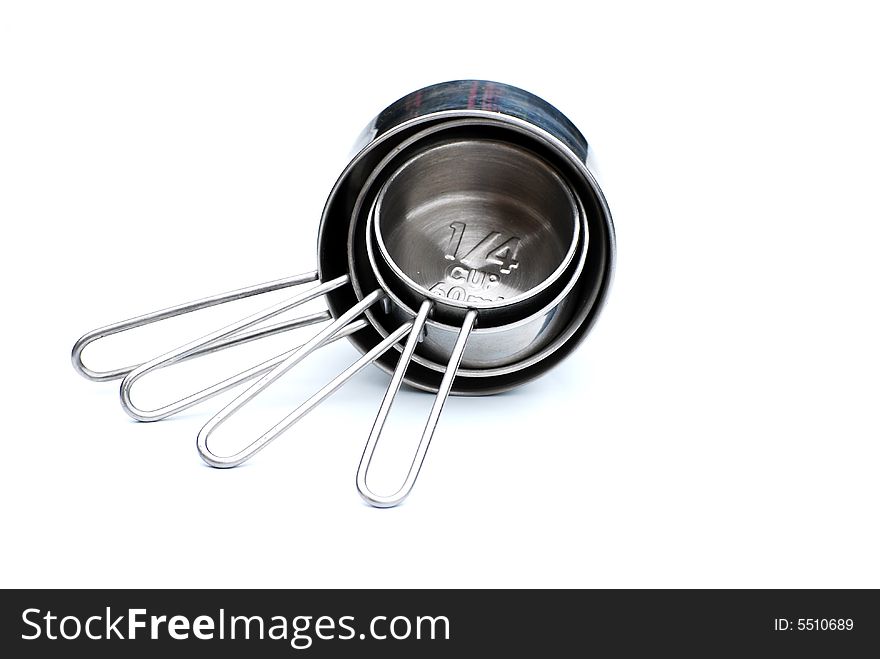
{"x": 480, "y": 96}
{"x": 205, "y": 342}
{"x": 188, "y": 307}
{"x": 564, "y": 146}
{"x": 389, "y": 500}
{"x": 491, "y": 352}
{"x": 476, "y": 223}
{"x": 272, "y": 376}
{"x": 218, "y": 388}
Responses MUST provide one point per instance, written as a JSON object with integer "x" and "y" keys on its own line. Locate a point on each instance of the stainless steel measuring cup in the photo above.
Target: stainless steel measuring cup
{"x": 466, "y": 231}
{"x": 515, "y": 328}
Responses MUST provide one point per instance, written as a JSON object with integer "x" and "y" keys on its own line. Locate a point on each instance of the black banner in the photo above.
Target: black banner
{"x": 407, "y": 623}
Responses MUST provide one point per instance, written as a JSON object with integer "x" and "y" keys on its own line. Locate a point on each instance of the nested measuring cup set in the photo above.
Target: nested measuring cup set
{"x": 465, "y": 249}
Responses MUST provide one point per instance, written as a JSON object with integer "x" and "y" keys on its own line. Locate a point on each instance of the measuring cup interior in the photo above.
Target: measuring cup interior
{"x": 476, "y": 223}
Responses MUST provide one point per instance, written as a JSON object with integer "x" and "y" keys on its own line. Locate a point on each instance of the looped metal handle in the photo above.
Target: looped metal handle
{"x": 388, "y": 501}
{"x": 322, "y": 337}
{"x": 271, "y": 370}
{"x": 209, "y": 342}
{"x": 207, "y": 393}
{"x": 164, "y": 314}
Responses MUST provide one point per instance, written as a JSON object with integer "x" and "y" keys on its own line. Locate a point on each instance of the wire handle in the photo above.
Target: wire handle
{"x": 207, "y": 393}
{"x": 272, "y": 369}
{"x": 306, "y": 349}
{"x": 388, "y": 501}
{"x": 208, "y": 343}
{"x": 188, "y": 307}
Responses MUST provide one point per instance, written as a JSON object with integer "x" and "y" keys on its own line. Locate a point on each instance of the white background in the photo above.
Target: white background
{"x": 718, "y": 428}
